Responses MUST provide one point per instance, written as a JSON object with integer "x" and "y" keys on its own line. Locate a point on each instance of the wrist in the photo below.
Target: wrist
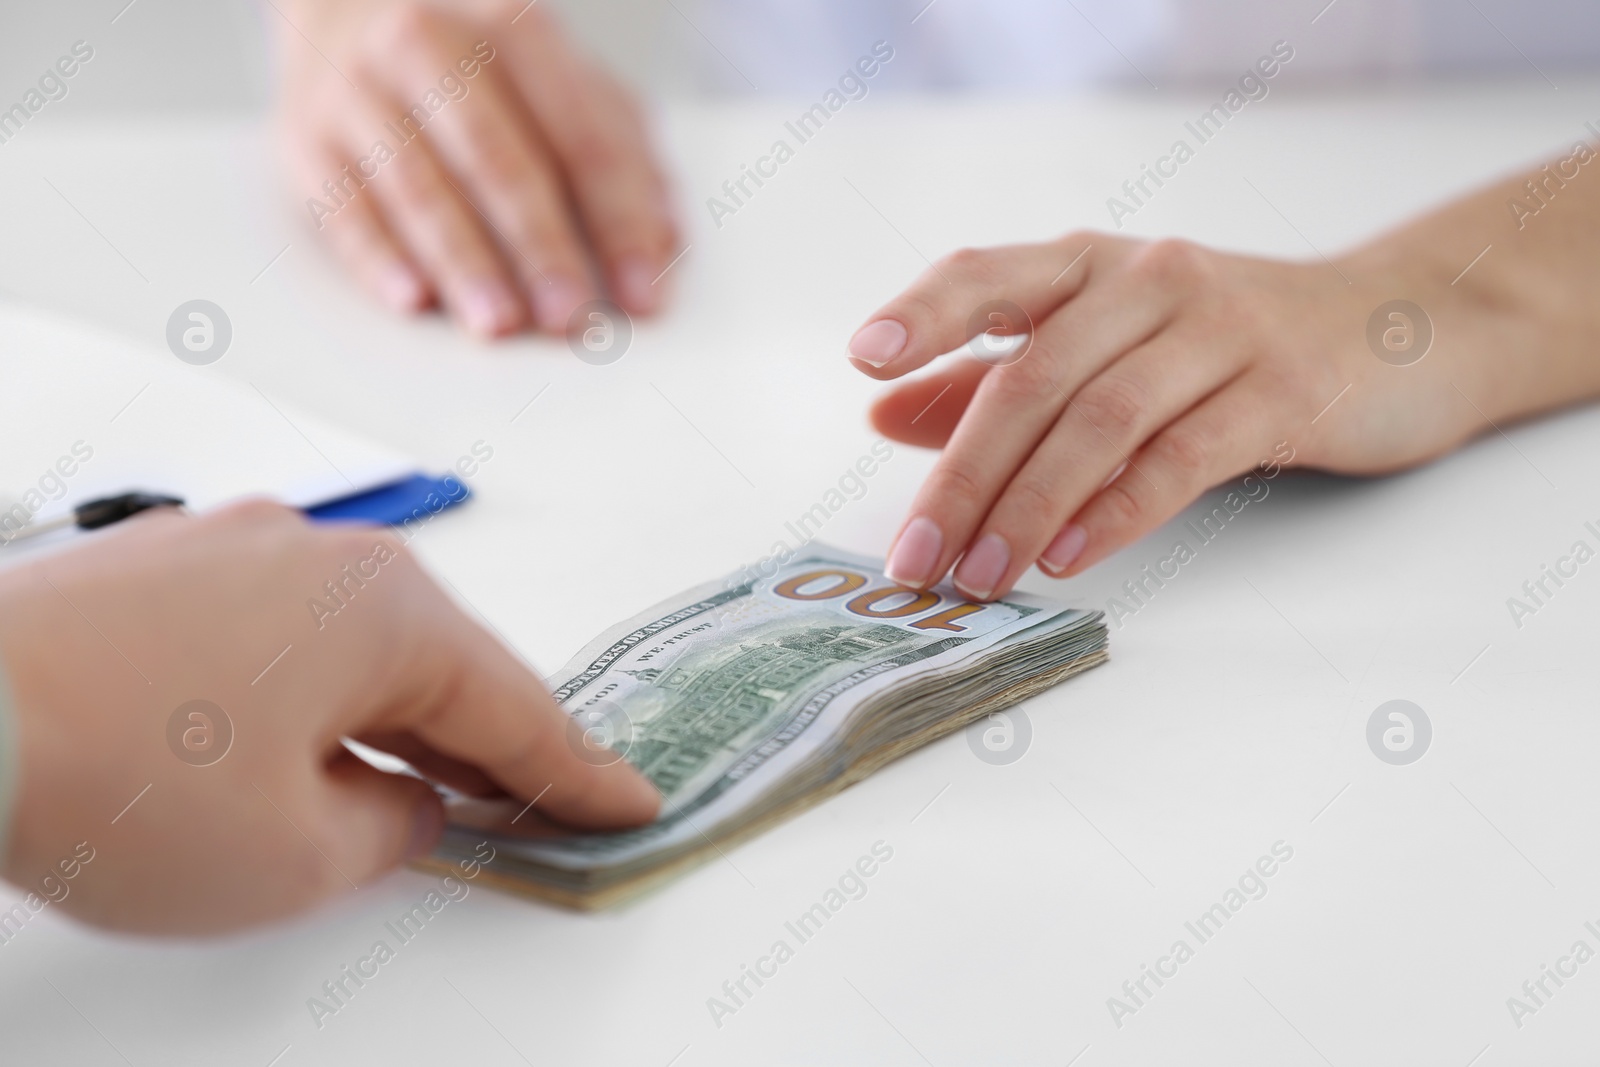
{"x": 1483, "y": 324}
{"x": 1512, "y": 309}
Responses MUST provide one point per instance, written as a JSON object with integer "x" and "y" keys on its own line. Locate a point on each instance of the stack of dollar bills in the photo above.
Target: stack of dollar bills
{"x": 750, "y": 700}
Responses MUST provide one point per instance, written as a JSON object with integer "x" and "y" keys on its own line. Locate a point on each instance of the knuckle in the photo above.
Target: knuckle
{"x": 1185, "y": 450}
{"x": 1076, "y": 240}
{"x": 1120, "y": 505}
{"x": 979, "y": 266}
{"x": 1114, "y": 404}
{"x": 918, "y": 305}
{"x": 1025, "y": 382}
{"x": 955, "y": 482}
{"x": 1174, "y": 261}
{"x": 1031, "y": 499}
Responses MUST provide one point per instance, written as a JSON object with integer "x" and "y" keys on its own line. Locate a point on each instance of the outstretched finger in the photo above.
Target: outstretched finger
{"x": 1001, "y": 290}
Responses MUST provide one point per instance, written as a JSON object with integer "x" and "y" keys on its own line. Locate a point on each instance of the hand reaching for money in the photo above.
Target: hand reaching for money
{"x": 106, "y": 646}
{"x": 463, "y": 151}
{"x": 1159, "y": 369}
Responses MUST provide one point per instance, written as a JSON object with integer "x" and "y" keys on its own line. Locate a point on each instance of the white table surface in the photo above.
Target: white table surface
{"x": 1231, "y": 716}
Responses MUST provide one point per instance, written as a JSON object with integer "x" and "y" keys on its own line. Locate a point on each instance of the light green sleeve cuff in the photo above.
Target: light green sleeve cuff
{"x": 8, "y": 764}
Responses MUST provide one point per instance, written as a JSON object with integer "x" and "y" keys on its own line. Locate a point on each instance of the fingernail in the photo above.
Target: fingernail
{"x": 983, "y": 566}
{"x": 634, "y": 278}
{"x": 401, "y": 289}
{"x": 554, "y": 302}
{"x": 1067, "y": 547}
{"x": 916, "y": 553}
{"x": 427, "y": 826}
{"x": 488, "y": 309}
{"x": 878, "y": 342}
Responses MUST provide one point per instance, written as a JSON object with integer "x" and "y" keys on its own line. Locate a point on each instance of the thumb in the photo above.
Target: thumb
{"x": 376, "y": 821}
{"x": 461, "y": 693}
{"x": 497, "y": 716}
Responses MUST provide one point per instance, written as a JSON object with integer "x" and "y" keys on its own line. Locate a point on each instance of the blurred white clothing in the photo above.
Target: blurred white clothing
{"x": 797, "y": 45}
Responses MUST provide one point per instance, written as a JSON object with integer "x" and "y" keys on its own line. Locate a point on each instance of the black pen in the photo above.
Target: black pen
{"x": 93, "y": 514}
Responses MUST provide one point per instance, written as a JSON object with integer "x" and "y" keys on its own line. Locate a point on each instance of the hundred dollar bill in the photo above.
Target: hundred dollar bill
{"x": 747, "y": 701}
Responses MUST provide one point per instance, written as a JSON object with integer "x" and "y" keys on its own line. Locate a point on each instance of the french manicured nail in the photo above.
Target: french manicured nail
{"x": 1067, "y": 547}
{"x": 488, "y": 309}
{"x": 878, "y": 342}
{"x": 983, "y": 566}
{"x": 401, "y": 289}
{"x": 634, "y": 280}
{"x": 554, "y": 302}
{"x": 427, "y": 826}
{"x": 916, "y": 553}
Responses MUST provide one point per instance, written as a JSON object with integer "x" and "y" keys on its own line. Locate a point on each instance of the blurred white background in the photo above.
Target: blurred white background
{"x": 212, "y": 55}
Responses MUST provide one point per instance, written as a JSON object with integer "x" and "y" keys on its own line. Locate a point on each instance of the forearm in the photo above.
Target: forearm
{"x": 1511, "y": 280}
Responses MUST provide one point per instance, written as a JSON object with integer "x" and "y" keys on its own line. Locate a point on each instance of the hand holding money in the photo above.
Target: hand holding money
{"x": 178, "y": 715}
{"x": 168, "y": 674}
{"x": 748, "y": 701}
